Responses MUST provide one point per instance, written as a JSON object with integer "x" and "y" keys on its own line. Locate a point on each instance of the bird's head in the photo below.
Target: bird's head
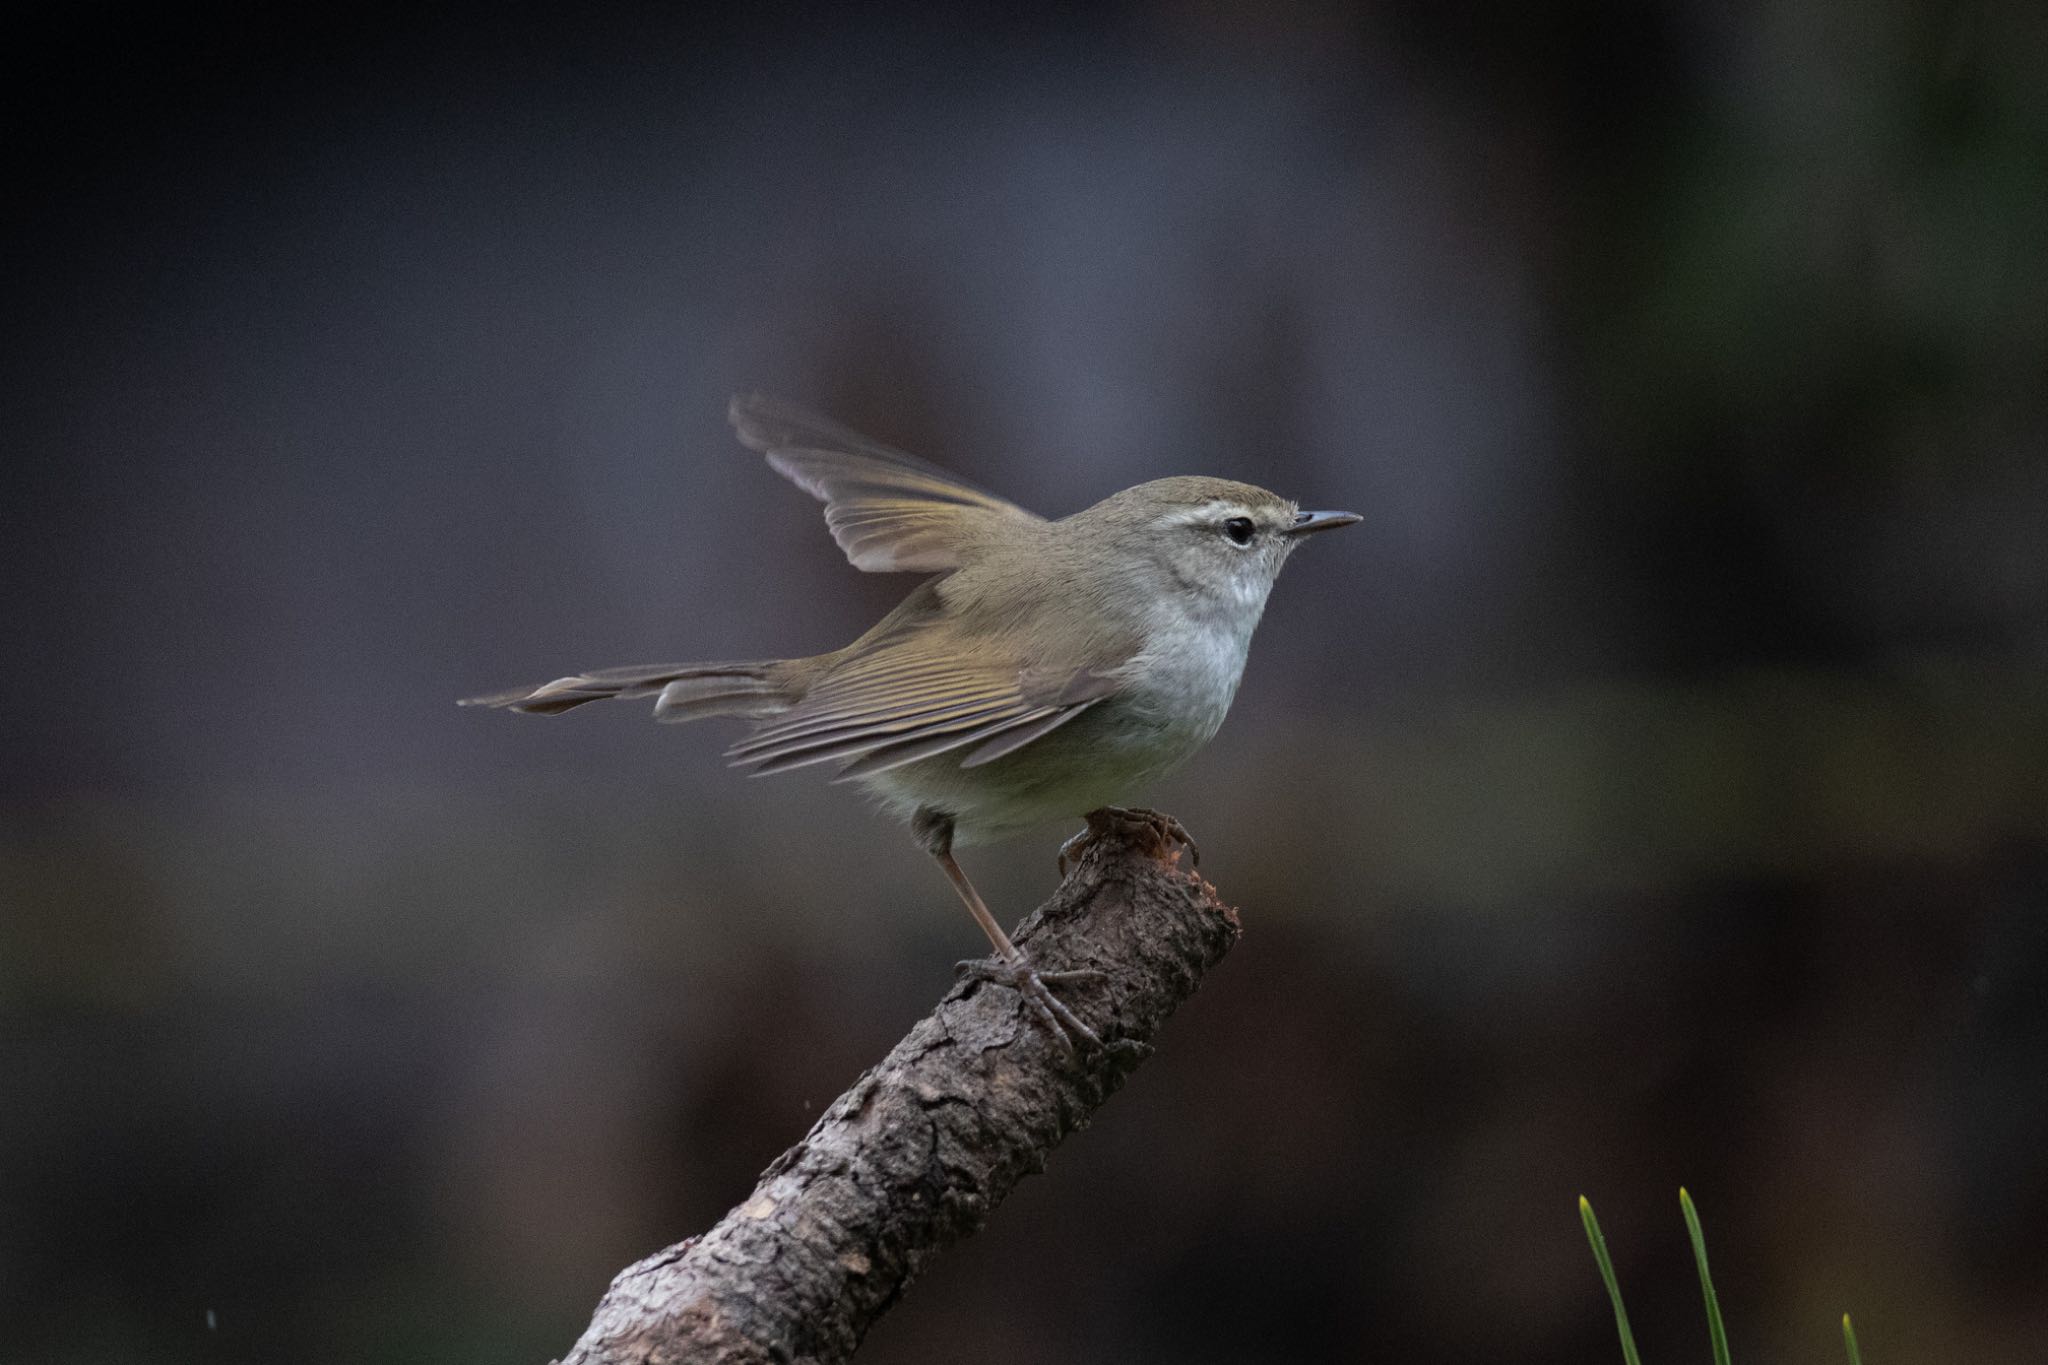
{"x": 1219, "y": 544}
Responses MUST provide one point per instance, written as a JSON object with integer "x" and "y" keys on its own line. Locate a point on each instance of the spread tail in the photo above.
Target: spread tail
{"x": 681, "y": 691}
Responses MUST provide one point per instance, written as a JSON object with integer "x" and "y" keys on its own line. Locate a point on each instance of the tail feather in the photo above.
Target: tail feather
{"x": 681, "y": 691}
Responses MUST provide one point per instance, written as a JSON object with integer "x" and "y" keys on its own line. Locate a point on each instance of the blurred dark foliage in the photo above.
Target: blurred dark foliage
{"x": 1655, "y": 790}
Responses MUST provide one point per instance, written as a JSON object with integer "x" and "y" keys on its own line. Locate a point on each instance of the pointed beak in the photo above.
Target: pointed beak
{"x": 1305, "y": 522}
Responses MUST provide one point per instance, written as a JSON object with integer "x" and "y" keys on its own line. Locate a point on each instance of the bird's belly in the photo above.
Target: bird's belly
{"x": 1098, "y": 759}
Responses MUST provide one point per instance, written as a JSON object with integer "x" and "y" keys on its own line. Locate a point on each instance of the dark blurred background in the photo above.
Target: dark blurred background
{"x": 1653, "y": 791}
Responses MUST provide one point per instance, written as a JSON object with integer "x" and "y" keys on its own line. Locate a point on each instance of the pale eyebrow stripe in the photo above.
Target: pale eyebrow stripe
{"x": 1208, "y": 511}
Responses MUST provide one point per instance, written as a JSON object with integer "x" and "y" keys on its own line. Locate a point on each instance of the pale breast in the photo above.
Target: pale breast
{"x": 1186, "y": 677}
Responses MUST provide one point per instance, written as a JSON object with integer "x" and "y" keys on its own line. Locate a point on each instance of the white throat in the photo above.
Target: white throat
{"x": 1187, "y": 674}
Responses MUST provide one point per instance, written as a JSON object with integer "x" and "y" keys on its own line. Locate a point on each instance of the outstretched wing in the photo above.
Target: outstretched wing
{"x": 889, "y": 511}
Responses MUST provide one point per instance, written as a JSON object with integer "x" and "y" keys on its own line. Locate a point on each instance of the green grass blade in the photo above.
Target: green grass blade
{"x": 1849, "y": 1340}
{"x": 1715, "y": 1331}
{"x": 1628, "y": 1340}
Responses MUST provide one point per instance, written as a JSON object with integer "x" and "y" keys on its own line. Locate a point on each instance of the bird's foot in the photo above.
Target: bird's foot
{"x": 1159, "y": 831}
{"x": 1035, "y": 987}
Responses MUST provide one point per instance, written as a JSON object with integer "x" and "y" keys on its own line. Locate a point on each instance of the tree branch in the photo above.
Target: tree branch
{"x": 926, "y": 1144}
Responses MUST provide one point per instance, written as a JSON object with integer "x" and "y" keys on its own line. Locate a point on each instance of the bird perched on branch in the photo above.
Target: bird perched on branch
{"x": 1042, "y": 671}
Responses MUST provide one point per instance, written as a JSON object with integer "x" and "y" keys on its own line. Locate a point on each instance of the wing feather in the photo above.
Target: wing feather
{"x": 896, "y": 755}
{"x": 1015, "y": 737}
{"x": 888, "y": 510}
{"x": 905, "y": 702}
{"x": 887, "y": 721}
{"x": 855, "y": 740}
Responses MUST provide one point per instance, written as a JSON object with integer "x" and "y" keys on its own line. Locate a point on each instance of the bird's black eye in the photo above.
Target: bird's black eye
{"x": 1240, "y": 530}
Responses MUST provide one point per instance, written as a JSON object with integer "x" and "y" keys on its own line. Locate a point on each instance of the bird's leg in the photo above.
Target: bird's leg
{"x": 1161, "y": 833}
{"x": 1011, "y": 967}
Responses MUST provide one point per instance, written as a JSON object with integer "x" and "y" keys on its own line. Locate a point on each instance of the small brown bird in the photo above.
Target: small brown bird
{"x": 1043, "y": 670}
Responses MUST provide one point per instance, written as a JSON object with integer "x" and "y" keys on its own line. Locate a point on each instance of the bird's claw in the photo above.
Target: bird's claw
{"x": 1159, "y": 830}
{"x": 1035, "y": 988}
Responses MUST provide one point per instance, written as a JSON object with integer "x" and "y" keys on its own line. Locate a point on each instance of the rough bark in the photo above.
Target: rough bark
{"x": 924, "y": 1145}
